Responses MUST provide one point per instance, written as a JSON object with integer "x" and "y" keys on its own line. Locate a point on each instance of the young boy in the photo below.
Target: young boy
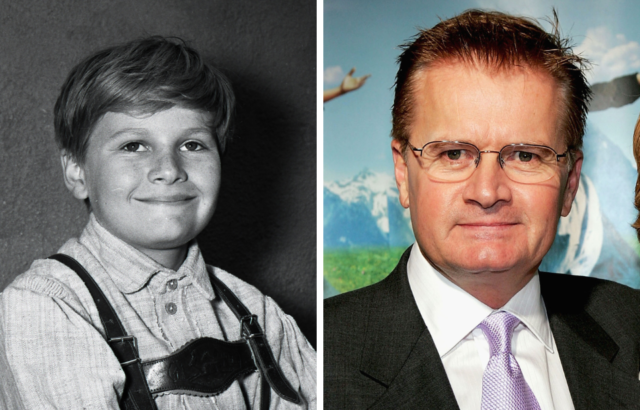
{"x": 141, "y": 128}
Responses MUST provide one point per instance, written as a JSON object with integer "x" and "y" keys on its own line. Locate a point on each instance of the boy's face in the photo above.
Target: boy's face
{"x": 152, "y": 179}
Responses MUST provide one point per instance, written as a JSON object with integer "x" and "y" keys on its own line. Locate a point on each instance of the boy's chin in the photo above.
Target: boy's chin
{"x": 165, "y": 241}
{"x": 158, "y": 238}
{"x": 156, "y": 234}
{"x": 169, "y": 252}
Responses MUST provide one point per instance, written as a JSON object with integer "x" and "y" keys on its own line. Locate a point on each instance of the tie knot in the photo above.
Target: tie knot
{"x": 498, "y": 328}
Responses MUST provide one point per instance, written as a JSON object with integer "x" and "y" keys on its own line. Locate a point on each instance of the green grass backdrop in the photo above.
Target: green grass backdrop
{"x": 350, "y": 269}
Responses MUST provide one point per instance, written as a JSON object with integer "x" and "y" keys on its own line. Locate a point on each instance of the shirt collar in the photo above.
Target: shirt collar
{"x": 528, "y": 306}
{"x": 131, "y": 270}
{"x": 451, "y": 313}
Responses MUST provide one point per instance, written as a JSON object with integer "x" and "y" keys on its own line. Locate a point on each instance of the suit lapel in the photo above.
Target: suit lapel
{"x": 399, "y": 352}
{"x": 586, "y": 350}
{"x": 400, "y": 355}
{"x": 421, "y": 382}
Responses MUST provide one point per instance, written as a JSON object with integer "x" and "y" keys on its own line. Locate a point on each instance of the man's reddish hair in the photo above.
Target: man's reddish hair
{"x": 495, "y": 40}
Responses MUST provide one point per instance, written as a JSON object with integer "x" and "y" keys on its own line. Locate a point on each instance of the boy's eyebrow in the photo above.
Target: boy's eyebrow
{"x": 196, "y": 130}
{"x": 128, "y": 131}
{"x": 143, "y": 131}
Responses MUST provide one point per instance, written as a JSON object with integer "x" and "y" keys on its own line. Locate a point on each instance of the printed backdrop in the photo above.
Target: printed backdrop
{"x": 365, "y": 228}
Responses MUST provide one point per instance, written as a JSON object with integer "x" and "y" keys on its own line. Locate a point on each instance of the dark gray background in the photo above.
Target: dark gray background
{"x": 264, "y": 229}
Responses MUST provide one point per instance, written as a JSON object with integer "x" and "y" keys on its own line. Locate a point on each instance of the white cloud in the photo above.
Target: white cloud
{"x": 333, "y": 74}
{"x": 612, "y": 55}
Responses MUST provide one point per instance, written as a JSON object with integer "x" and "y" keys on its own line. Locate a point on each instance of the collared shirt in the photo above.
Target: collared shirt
{"x": 9, "y": 395}
{"x": 452, "y": 316}
{"x": 54, "y": 339}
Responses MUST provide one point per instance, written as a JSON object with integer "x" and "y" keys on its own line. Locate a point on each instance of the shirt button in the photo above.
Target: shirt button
{"x": 172, "y": 284}
{"x": 171, "y": 308}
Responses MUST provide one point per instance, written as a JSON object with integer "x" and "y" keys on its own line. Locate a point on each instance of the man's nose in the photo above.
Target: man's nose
{"x": 488, "y": 185}
{"x": 167, "y": 168}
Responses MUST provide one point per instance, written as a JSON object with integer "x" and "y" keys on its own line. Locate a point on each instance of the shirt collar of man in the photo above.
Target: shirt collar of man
{"x": 451, "y": 314}
{"x": 131, "y": 270}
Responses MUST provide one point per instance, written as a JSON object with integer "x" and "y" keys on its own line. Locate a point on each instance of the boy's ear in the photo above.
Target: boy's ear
{"x": 74, "y": 177}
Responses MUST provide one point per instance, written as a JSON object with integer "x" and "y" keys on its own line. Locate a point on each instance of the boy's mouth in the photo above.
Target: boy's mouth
{"x": 167, "y": 199}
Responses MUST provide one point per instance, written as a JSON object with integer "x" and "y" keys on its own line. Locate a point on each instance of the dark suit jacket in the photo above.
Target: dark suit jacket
{"x": 378, "y": 353}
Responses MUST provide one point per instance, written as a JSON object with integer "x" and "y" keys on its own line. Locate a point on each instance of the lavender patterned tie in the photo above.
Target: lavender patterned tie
{"x": 503, "y": 386}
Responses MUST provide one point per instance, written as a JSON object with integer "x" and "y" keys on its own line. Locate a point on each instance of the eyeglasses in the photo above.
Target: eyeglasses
{"x": 453, "y": 161}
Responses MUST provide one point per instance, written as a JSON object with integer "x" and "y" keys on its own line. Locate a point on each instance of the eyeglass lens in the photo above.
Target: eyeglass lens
{"x": 456, "y": 161}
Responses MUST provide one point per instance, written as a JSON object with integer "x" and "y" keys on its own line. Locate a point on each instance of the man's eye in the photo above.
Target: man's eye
{"x": 134, "y": 147}
{"x": 191, "y": 146}
{"x": 454, "y": 154}
{"x": 523, "y": 156}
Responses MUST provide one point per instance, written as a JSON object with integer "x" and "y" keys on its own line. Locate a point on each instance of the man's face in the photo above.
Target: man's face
{"x": 152, "y": 180}
{"x": 486, "y": 223}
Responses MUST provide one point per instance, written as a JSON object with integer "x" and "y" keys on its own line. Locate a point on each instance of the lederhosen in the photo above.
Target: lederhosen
{"x": 204, "y": 366}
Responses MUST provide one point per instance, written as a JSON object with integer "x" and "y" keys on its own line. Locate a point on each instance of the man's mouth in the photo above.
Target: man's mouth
{"x": 487, "y": 224}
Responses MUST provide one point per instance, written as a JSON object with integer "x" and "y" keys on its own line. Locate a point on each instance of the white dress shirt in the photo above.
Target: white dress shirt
{"x": 452, "y": 316}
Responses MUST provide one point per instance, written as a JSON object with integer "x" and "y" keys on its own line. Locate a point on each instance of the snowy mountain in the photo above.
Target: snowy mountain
{"x": 365, "y": 211}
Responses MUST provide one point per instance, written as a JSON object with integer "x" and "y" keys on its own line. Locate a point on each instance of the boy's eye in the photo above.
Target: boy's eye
{"x": 134, "y": 147}
{"x": 191, "y": 146}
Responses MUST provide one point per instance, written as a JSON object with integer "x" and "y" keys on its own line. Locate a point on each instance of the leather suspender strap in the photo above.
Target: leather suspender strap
{"x": 204, "y": 366}
{"x": 253, "y": 334}
{"x": 136, "y": 392}
{"x": 265, "y": 394}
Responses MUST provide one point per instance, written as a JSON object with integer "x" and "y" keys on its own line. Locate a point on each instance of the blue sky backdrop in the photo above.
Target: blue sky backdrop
{"x": 366, "y": 35}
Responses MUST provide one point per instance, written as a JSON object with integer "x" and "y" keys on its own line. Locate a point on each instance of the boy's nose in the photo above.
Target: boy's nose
{"x": 167, "y": 168}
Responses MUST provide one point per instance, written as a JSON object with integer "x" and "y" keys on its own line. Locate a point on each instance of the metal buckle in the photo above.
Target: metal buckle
{"x": 248, "y": 317}
{"x": 246, "y": 326}
{"x": 124, "y": 339}
{"x": 137, "y": 359}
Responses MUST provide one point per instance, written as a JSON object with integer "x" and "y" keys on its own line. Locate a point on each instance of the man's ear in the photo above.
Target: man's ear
{"x": 573, "y": 181}
{"x": 401, "y": 172}
{"x": 74, "y": 177}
